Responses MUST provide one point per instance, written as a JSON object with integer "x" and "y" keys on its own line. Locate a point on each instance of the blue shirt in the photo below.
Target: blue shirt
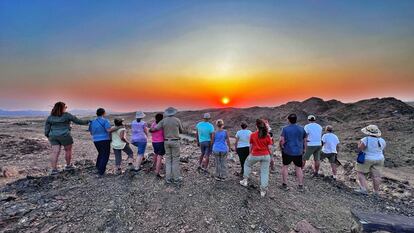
{"x": 294, "y": 136}
{"x": 220, "y": 144}
{"x": 204, "y": 129}
{"x": 98, "y": 128}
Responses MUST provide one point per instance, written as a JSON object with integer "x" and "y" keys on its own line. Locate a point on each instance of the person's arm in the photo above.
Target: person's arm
{"x": 228, "y": 140}
{"x": 146, "y": 131}
{"x": 236, "y": 143}
{"x": 305, "y": 143}
{"x": 361, "y": 145}
{"x": 108, "y": 127}
{"x": 197, "y": 139}
{"x": 123, "y": 137}
{"x": 213, "y": 135}
{"x": 47, "y": 127}
{"x": 180, "y": 127}
{"x": 78, "y": 121}
{"x": 282, "y": 142}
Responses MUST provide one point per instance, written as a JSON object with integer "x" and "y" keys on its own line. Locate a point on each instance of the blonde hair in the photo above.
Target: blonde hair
{"x": 220, "y": 123}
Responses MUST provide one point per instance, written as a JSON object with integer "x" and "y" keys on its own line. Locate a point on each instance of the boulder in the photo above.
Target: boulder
{"x": 304, "y": 227}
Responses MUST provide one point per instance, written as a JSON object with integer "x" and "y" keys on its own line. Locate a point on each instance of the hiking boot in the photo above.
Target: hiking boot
{"x": 244, "y": 182}
{"x": 69, "y": 167}
{"x": 54, "y": 172}
{"x": 361, "y": 191}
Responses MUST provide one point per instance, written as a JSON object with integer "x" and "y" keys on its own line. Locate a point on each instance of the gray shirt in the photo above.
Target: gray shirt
{"x": 172, "y": 127}
{"x": 60, "y": 125}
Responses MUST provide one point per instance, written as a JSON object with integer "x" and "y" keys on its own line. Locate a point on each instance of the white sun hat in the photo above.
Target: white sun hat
{"x": 139, "y": 115}
{"x": 206, "y": 115}
{"x": 372, "y": 130}
{"x": 170, "y": 111}
{"x": 311, "y": 118}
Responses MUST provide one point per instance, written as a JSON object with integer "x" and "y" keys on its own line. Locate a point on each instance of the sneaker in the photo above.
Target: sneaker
{"x": 361, "y": 191}
{"x": 262, "y": 193}
{"x": 217, "y": 178}
{"x": 136, "y": 169}
{"x": 334, "y": 177}
{"x": 300, "y": 188}
{"x": 315, "y": 175}
{"x": 118, "y": 171}
{"x": 130, "y": 166}
{"x": 178, "y": 180}
{"x": 272, "y": 171}
{"x": 69, "y": 167}
{"x": 284, "y": 187}
{"x": 168, "y": 181}
{"x": 159, "y": 176}
{"x": 54, "y": 172}
{"x": 244, "y": 182}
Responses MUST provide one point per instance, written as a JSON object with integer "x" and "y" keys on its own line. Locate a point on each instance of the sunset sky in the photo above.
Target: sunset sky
{"x": 129, "y": 55}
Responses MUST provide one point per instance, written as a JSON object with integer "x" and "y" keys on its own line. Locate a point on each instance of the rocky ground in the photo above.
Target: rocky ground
{"x": 77, "y": 201}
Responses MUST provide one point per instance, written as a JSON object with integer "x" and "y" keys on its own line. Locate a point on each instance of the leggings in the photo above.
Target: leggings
{"x": 243, "y": 152}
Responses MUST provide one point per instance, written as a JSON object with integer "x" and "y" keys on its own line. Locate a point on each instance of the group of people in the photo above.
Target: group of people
{"x": 297, "y": 144}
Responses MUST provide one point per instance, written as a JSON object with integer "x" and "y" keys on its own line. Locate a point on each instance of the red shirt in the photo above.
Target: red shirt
{"x": 260, "y": 146}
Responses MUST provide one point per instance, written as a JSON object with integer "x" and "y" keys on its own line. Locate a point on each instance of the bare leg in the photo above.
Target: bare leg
{"x": 303, "y": 164}
{"x": 317, "y": 164}
{"x": 158, "y": 165}
{"x": 362, "y": 180}
{"x": 54, "y": 156}
{"x": 299, "y": 175}
{"x": 284, "y": 174}
{"x": 68, "y": 154}
{"x": 154, "y": 162}
{"x": 200, "y": 161}
{"x": 272, "y": 164}
{"x": 139, "y": 161}
{"x": 205, "y": 162}
{"x": 333, "y": 166}
{"x": 376, "y": 180}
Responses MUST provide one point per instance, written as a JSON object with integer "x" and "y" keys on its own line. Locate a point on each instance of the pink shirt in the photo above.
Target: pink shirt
{"x": 157, "y": 136}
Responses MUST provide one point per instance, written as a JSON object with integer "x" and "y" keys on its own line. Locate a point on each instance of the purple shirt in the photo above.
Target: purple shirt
{"x": 138, "y": 131}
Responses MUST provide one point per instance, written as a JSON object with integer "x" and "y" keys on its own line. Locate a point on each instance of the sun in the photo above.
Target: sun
{"x": 225, "y": 100}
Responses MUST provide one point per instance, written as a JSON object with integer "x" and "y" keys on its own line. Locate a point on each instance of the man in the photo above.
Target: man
{"x": 172, "y": 128}
{"x": 314, "y": 145}
{"x": 204, "y": 132}
{"x": 292, "y": 144}
{"x": 330, "y": 148}
{"x": 100, "y": 128}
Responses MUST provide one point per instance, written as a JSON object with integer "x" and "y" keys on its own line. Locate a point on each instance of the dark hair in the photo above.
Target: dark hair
{"x": 58, "y": 109}
{"x": 292, "y": 118}
{"x": 100, "y": 112}
{"x": 261, "y": 126}
{"x": 243, "y": 125}
{"x": 158, "y": 117}
{"x": 118, "y": 122}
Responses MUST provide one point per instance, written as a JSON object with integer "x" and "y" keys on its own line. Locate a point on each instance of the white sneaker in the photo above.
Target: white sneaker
{"x": 262, "y": 193}
{"x": 244, "y": 182}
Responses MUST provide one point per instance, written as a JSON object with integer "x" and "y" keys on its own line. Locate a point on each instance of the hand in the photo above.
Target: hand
{"x": 198, "y": 144}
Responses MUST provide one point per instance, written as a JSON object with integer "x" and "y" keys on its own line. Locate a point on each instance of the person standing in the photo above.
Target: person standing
{"x": 139, "y": 137}
{"x": 120, "y": 143}
{"x": 260, "y": 149}
{"x": 292, "y": 143}
{"x": 172, "y": 128}
{"x": 272, "y": 151}
{"x": 158, "y": 145}
{"x": 373, "y": 146}
{"x": 100, "y": 129}
{"x": 221, "y": 146}
{"x": 314, "y": 144}
{"x": 57, "y": 130}
{"x": 204, "y": 132}
{"x": 330, "y": 144}
{"x": 242, "y": 145}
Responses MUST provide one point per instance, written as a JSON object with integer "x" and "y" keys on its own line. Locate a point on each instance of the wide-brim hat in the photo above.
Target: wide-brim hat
{"x": 170, "y": 111}
{"x": 139, "y": 115}
{"x": 206, "y": 115}
{"x": 311, "y": 118}
{"x": 371, "y": 130}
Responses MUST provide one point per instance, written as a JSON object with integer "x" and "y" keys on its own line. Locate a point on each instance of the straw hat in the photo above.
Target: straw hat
{"x": 311, "y": 118}
{"x": 372, "y": 130}
{"x": 170, "y": 111}
{"x": 139, "y": 115}
{"x": 206, "y": 115}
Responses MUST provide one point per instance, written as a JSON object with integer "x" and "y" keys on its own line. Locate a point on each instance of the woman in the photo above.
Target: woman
{"x": 139, "y": 137}
{"x": 373, "y": 146}
{"x": 260, "y": 147}
{"x": 120, "y": 143}
{"x": 57, "y": 130}
{"x": 243, "y": 145}
{"x": 221, "y": 145}
{"x": 158, "y": 145}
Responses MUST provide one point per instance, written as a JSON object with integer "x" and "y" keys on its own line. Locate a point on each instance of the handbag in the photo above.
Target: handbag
{"x": 361, "y": 155}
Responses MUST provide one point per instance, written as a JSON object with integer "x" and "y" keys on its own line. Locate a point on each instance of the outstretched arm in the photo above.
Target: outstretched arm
{"x": 78, "y": 121}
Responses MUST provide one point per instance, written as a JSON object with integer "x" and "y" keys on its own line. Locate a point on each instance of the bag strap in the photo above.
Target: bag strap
{"x": 99, "y": 122}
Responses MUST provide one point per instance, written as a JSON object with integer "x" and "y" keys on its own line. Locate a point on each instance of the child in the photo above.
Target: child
{"x": 158, "y": 145}
{"x": 120, "y": 143}
{"x": 221, "y": 145}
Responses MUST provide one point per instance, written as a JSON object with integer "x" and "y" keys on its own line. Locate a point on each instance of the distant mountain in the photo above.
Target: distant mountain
{"x": 37, "y": 113}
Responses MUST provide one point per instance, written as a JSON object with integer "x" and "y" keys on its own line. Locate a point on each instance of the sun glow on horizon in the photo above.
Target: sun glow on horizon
{"x": 225, "y": 100}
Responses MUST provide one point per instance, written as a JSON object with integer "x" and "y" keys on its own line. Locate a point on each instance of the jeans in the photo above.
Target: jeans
{"x": 104, "y": 150}
{"x": 243, "y": 152}
{"x": 172, "y": 160}
{"x": 221, "y": 164}
{"x": 264, "y": 168}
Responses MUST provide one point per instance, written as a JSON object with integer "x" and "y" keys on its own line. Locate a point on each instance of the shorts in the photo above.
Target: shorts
{"x": 330, "y": 156}
{"x": 205, "y": 148}
{"x": 373, "y": 166}
{"x": 288, "y": 159}
{"x": 159, "y": 148}
{"x": 61, "y": 140}
{"x": 313, "y": 150}
{"x": 141, "y": 147}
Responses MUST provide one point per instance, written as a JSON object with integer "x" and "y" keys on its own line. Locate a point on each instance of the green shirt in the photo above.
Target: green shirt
{"x": 60, "y": 125}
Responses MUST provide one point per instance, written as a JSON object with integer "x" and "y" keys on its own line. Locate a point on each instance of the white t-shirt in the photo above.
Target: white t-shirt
{"x": 374, "y": 148}
{"x": 244, "y": 138}
{"x": 314, "y": 132}
{"x": 330, "y": 141}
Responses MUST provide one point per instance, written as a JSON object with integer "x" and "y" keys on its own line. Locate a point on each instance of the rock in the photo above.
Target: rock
{"x": 8, "y": 171}
{"x": 185, "y": 159}
{"x": 305, "y": 227}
